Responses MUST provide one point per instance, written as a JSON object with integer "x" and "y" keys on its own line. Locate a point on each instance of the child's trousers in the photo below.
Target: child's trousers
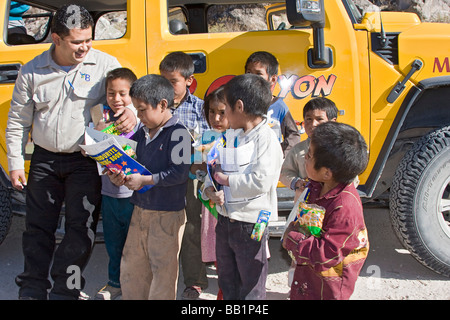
{"x": 149, "y": 267}
{"x": 241, "y": 261}
{"x": 116, "y": 214}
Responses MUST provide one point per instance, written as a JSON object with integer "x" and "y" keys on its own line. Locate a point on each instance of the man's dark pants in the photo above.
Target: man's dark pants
{"x": 54, "y": 179}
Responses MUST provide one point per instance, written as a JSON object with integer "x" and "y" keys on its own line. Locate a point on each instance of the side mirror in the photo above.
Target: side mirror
{"x": 304, "y": 13}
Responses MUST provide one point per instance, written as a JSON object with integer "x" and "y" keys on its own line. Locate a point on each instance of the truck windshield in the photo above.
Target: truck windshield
{"x": 353, "y": 11}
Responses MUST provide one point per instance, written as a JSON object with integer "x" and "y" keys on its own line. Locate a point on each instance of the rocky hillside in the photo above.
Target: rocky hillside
{"x": 428, "y": 10}
{"x": 252, "y": 17}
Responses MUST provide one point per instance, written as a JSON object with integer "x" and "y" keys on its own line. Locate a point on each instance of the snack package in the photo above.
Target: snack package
{"x": 111, "y": 129}
{"x": 129, "y": 151}
{"x": 310, "y": 219}
{"x": 260, "y": 225}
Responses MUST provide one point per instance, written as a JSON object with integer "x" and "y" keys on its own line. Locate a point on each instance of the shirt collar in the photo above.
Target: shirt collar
{"x": 332, "y": 193}
{"x": 187, "y": 98}
{"x": 172, "y": 121}
{"x": 48, "y": 61}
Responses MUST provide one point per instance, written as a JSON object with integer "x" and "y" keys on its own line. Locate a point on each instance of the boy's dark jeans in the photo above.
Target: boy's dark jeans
{"x": 56, "y": 178}
{"x": 241, "y": 261}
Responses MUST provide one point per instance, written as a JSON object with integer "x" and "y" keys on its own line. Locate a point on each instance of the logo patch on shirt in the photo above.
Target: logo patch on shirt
{"x": 85, "y": 76}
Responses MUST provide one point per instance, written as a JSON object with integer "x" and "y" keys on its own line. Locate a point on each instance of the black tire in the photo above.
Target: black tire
{"x": 6, "y": 212}
{"x": 420, "y": 201}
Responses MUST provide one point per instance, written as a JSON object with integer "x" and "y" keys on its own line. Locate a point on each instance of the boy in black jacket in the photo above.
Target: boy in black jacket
{"x": 149, "y": 267}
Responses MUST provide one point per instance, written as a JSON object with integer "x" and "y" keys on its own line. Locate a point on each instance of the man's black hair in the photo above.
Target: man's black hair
{"x": 71, "y": 16}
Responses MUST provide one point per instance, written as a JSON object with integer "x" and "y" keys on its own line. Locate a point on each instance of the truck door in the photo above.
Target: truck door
{"x": 220, "y": 52}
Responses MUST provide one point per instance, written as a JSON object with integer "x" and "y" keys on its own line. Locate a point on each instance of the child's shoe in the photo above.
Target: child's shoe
{"x": 108, "y": 293}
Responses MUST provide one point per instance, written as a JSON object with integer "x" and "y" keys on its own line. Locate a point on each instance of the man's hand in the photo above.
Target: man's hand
{"x": 127, "y": 120}
{"x": 18, "y": 179}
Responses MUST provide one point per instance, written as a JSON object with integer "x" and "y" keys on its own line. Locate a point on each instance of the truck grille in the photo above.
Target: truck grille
{"x": 389, "y": 51}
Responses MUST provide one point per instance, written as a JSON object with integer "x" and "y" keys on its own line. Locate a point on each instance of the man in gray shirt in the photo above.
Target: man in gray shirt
{"x": 53, "y": 94}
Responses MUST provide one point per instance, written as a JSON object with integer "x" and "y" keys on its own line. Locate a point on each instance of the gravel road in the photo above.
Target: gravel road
{"x": 390, "y": 272}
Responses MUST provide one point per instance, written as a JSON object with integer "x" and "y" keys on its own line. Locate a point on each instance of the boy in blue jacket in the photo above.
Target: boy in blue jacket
{"x": 149, "y": 267}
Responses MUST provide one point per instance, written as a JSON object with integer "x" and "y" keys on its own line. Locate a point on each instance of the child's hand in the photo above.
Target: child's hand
{"x": 134, "y": 181}
{"x": 102, "y": 125}
{"x": 293, "y": 226}
{"x": 216, "y": 197}
{"x": 300, "y": 185}
{"x": 221, "y": 178}
{"x": 117, "y": 178}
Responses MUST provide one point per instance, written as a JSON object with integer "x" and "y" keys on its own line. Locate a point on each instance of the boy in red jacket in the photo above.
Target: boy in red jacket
{"x": 328, "y": 265}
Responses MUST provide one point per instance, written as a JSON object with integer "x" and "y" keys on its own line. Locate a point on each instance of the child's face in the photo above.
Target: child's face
{"x": 260, "y": 70}
{"x": 179, "y": 83}
{"x": 312, "y": 119}
{"x": 217, "y": 117}
{"x": 311, "y": 172}
{"x": 118, "y": 94}
{"x": 234, "y": 117}
{"x": 151, "y": 117}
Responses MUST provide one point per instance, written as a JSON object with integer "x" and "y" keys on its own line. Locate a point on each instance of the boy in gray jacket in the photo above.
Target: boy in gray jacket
{"x": 250, "y": 164}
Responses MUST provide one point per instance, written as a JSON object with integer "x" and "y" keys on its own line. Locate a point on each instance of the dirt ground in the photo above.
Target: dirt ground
{"x": 390, "y": 272}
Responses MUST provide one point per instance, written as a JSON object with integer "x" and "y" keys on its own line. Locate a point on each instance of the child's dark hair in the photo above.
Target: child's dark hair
{"x": 216, "y": 95}
{"x": 178, "y": 61}
{"x": 340, "y": 148}
{"x": 252, "y": 90}
{"x": 324, "y": 104}
{"x": 152, "y": 89}
{"x": 120, "y": 73}
{"x": 71, "y": 16}
{"x": 266, "y": 59}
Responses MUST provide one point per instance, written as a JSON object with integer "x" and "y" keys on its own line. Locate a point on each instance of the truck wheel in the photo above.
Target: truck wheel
{"x": 420, "y": 201}
{"x": 5, "y": 212}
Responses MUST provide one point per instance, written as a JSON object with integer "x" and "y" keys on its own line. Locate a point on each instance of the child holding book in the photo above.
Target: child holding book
{"x": 328, "y": 265}
{"x": 251, "y": 163}
{"x": 149, "y": 267}
{"x": 116, "y": 208}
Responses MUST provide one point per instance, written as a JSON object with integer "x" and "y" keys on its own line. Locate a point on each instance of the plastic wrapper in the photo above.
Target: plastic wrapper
{"x": 310, "y": 219}
{"x": 260, "y": 225}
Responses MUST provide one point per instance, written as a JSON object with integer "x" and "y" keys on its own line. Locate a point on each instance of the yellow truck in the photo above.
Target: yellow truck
{"x": 388, "y": 73}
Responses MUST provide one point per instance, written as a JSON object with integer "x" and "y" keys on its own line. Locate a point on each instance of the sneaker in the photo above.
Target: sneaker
{"x": 83, "y": 296}
{"x": 191, "y": 293}
{"x": 108, "y": 293}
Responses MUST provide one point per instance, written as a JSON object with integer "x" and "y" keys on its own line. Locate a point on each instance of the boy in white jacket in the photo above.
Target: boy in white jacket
{"x": 250, "y": 167}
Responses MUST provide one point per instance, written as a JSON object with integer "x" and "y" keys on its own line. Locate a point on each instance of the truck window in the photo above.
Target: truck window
{"x": 236, "y": 18}
{"x": 111, "y": 25}
{"x": 277, "y": 20}
{"x": 27, "y": 25}
{"x": 177, "y": 21}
